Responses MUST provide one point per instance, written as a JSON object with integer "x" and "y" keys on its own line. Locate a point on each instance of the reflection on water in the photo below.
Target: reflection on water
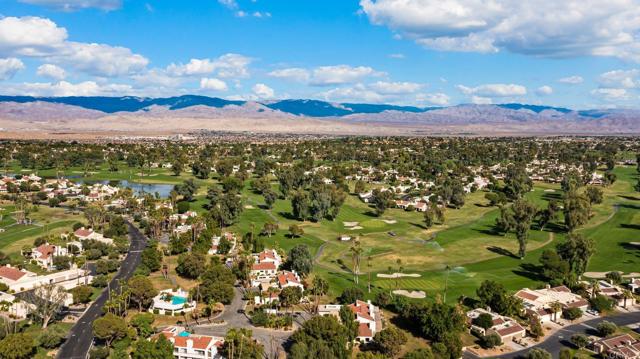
{"x": 138, "y": 188}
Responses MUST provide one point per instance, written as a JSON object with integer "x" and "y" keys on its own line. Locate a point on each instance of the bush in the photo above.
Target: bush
{"x": 566, "y": 353}
{"x": 572, "y": 313}
{"x": 484, "y": 321}
{"x": 93, "y": 254}
{"x": 99, "y": 353}
{"x": 606, "y": 328}
{"x": 615, "y": 277}
{"x": 538, "y": 354}
{"x": 183, "y": 206}
{"x": 100, "y": 281}
{"x": 350, "y": 295}
{"x": 580, "y": 340}
{"x": 51, "y": 337}
{"x": 601, "y": 303}
{"x": 491, "y": 341}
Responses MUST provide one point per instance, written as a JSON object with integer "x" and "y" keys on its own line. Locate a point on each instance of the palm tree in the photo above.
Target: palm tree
{"x": 446, "y": 281}
{"x": 595, "y": 288}
{"x": 356, "y": 252}
{"x": 399, "y": 262}
{"x": 626, "y": 294}
{"x": 369, "y": 272}
{"x": 555, "y": 308}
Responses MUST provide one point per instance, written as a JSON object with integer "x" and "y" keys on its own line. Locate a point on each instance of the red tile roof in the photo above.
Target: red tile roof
{"x": 526, "y": 295}
{"x": 510, "y": 330}
{"x": 364, "y": 330}
{"x": 286, "y": 277}
{"x": 46, "y": 250}
{"x": 264, "y": 266}
{"x": 81, "y": 232}
{"x": 199, "y": 341}
{"x": 11, "y": 273}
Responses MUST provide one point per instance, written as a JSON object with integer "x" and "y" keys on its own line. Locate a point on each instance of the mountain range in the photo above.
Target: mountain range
{"x": 191, "y": 112}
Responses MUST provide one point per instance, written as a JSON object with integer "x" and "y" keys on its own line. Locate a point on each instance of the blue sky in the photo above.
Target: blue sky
{"x": 578, "y": 54}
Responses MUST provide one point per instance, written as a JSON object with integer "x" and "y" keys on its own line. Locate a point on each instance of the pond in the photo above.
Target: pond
{"x": 138, "y": 188}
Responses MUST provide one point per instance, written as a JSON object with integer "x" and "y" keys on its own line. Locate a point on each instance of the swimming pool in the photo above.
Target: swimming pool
{"x": 175, "y": 300}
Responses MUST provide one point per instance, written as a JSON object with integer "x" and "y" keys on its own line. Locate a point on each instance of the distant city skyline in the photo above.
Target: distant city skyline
{"x": 575, "y": 54}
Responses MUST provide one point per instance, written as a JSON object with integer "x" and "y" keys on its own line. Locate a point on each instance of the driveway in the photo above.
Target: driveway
{"x": 81, "y": 336}
{"x": 273, "y": 340}
{"x": 561, "y": 339}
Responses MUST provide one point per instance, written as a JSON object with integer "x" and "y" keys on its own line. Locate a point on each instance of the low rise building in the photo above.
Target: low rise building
{"x": 618, "y": 347}
{"x": 192, "y": 346}
{"x": 505, "y": 327}
{"x": 43, "y": 255}
{"x": 366, "y": 314}
{"x": 539, "y": 302}
{"x": 172, "y": 302}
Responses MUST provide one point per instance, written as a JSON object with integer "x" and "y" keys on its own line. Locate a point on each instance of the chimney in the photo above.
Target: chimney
{"x": 548, "y": 286}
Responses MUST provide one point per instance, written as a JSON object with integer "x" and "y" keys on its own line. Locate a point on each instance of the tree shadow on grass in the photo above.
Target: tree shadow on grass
{"x": 287, "y": 215}
{"x": 531, "y": 271}
{"x": 630, "y": 226}
{"x": 549, "y": 196}
{"x": 628, "y": 206}
{"x": 502, "y": 251}
{"x": 371, "y": 213}
{"x": 419, "y": 225}
{"x": 630, "y": 198}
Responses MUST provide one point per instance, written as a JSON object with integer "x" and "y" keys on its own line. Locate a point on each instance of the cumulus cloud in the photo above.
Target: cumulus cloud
{"x": 479, "y": 100}
{"x": 395, "y": 88}
{"x": 39, "y": 37}
{"x": 213, "y": 84}
{"x": 537, "y": 27}
{"x": 263, "y": 91}
{"x": 156, "y": 77}
{"x": 9, "y": 67}
{"x": 544, "y": 90}
{"x": 51, "y": 71}
{"x": 231, "y": 4}
{"x": 64, "y": 88}
{"x": 494, "y": 90}
{"x": 377, "y": 92}
{"x": 340, "y": 74}
{"x": 571, "y": 80}
{"x": 437, "y": 99}
{"x": 293, "y": 74}
{"x": 611, "y": 94}
{"x": 628, "y": 79}
{"x": 73, "y": 5}
{"x": 226, "y": 66}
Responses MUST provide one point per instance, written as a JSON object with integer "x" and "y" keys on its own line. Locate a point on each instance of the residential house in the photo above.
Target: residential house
{"x": 634, "y": 285}
{"x": 44, "y": 254}
{"x": 539, "y": 302}
{"x": 192, "y": 346}
{"x": 618, "y": 347}
{"x": 83, "y": 234}
{"x": 172, "y": 302}
{"x": 20, "y": 280}
{"x": 506, "y": 328}
{"x": 366, "y": 314}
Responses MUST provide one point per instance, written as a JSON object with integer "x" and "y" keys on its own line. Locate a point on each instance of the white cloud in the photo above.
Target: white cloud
{"x": 156, "y": 77}
{"x": 213, "y": 84}
{"x": 544, "y": 90}
{"x": 535, "y": 27}
{"x": 494, "y": 90}
{"x": 231, "y": 4}
{"x": 438, "y": 99}
{"x": 226, "y": 66}
{"x": 263, "y": 91}
{"x": 100, "y": 59}
{"x": 30, "y": 36}
{"x": 571, "y": 80}
{"x": 479, "y": 100}
{"x": 39, "y": 37}
{"x": 340, "y": 74}
{"x": 356, "y": 93}
{"x": 293, "y": 74}
{"x": 611, "y": 94}
{"x": 395, "y": 88}
{"x": 73, "y": 5}
{"x": 621, "y": 79}
{"x": 9, "y": 67}
{"x": 64, "y": 88}
{"x": 397, "y": 56}
{"x": 51, "y": 71}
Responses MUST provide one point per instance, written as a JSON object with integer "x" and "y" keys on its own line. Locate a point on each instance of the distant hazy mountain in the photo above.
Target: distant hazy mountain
{"x": 462, "y": 118}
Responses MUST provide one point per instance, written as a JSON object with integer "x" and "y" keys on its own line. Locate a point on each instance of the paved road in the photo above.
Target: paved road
{"x": 562, "y": 337}
{"x": 79, "y": 342}
{"x": 273, "y": 340}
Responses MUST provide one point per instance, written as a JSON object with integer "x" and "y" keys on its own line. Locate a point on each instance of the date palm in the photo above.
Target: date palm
{"x": 356, "y": 253}
{"x": 555, "y": 308}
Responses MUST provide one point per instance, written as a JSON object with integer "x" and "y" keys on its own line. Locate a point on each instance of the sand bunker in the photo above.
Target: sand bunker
{"x": 248, "y": 206}
{"x": 354, "y": 228}
{"x": 549, "y": 190}
{"x": 415, "y": 294}
{"x": 389, "y": 221}
{"x": 398, "y": 275}
{"x": 350, "y": 224}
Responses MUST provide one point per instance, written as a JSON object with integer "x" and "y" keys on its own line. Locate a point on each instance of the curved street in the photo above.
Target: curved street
{"x": 562, "y": 338}
{"x": 81, "y": 335}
